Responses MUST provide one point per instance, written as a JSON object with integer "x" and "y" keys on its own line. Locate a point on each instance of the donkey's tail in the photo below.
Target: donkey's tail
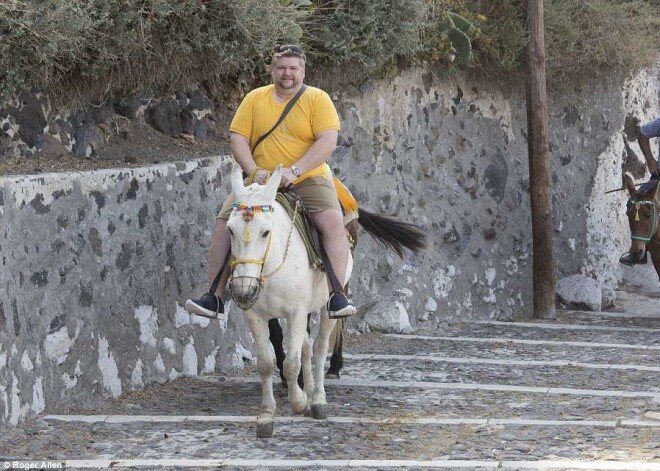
{"x": 394, "y": 234}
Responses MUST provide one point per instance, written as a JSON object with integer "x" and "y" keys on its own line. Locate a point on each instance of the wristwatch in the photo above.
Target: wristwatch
{"x": 296, "y": 171}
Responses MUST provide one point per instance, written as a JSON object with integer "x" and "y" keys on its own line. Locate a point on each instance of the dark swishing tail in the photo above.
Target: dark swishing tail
{"x": 391, "y": 233}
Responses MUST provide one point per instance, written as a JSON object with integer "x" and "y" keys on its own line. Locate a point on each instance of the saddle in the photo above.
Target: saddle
{"x": 303, "y": 222}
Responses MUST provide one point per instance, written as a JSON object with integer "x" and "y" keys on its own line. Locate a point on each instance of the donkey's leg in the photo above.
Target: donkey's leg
{"x": 319, "y": 405}
{"x": 655, "y": 257}
{"x": 297, "y": 332}
{"x": 337, "y": 342}
{"x": 265, "y": 420}
{"x": 308, "y": 382}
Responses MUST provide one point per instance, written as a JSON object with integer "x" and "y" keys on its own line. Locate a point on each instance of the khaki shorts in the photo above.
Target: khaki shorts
{"x": 317, "y": 194}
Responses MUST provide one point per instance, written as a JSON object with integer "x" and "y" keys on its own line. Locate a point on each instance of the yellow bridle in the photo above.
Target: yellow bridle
{"x": 248, "y": 214}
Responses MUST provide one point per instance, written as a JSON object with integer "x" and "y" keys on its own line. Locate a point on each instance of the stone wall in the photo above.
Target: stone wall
{"x": 451, "y": 156}
{"x": 96, "y": 265}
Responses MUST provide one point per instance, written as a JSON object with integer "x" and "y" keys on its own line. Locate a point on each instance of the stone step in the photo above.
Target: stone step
{"x": 502, "y": 348}
{"x": 357, "y": 464}
{"x": 241, "y": 396}
{"x": 618, "y": 319}
{"x": 554, "y": 332}
{"x": 328, "y": 440}
{"x": 588, "y": 323}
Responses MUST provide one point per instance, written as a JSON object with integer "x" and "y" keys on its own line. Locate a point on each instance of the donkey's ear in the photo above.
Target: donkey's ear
{"x": 654, "y": 189}
{"x": 237, "y": 179}
{"x": 274, "y": 181}
{"x": 630, "y": 185}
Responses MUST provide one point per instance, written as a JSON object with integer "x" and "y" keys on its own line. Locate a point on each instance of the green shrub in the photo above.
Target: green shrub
{"x": 96, "y": 48}
{"x": 368, "y": 32}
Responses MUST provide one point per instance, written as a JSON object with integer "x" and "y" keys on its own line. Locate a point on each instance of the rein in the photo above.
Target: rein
{"x": 248, "y": 215}
{"x": 655, "y": 219}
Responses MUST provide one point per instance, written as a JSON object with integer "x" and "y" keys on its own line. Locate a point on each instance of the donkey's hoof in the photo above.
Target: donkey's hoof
{"x": 331, "y": 375}
{"x": 320, "y": 411}
{"x": 265, "y": 428}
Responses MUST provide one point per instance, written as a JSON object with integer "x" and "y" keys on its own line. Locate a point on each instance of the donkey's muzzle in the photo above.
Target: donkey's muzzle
{"x": 245, "y": 291}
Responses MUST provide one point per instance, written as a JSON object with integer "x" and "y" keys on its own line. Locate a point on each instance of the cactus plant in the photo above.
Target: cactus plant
{"x": 456, "y": 27}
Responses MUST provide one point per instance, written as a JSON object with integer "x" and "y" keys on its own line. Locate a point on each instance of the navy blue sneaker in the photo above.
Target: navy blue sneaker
{"x": 339, "y": 306}
{"x": 209, "y": 305}
{"x": 632, "y": 259}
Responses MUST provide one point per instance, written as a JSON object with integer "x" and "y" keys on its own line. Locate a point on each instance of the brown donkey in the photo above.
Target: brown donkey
{"x": 642, "y": 212}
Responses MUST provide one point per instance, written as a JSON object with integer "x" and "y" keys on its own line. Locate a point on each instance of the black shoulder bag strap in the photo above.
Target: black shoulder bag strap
{"x": 285, "y": 112}
{"x": 287, "y": 108}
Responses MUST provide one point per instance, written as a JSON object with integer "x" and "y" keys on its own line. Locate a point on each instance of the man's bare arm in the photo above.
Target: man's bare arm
{"x": 240, "y": 149}
{"x": 645, "y": 145}
{"x": 320, "y": 152}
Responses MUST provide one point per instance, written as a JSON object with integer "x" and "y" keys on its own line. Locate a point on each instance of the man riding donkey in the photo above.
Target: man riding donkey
{"x": 295, "y": 125}
{"x": 643, "y": 134}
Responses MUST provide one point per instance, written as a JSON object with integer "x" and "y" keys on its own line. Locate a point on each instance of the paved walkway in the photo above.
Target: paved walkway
{"x": 579, "y": 392}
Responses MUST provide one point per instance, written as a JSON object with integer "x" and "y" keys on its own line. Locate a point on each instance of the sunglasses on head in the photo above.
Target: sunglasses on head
{"x": 288, "y": 47}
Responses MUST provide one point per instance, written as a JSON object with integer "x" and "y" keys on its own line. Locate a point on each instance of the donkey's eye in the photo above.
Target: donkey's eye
{"x": 265, "y": 234}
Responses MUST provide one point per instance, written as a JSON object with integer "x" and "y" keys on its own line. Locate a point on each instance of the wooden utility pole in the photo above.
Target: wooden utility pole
{"x": 539, "y": 165}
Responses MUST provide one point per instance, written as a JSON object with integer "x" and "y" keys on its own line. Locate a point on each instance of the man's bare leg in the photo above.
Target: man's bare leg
{"x": 330, "y": 223}
{"x": 210, "y": 304}
{"x": 218, "y": 250}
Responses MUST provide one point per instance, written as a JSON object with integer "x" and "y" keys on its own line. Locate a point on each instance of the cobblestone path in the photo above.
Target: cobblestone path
{"x": 578, "y": 392}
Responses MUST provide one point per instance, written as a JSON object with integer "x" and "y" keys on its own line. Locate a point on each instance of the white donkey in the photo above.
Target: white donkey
{"x": 273, "y": 278}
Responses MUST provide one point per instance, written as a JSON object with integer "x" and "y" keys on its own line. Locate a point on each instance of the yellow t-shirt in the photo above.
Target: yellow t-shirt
{"x": 312, "y": 114}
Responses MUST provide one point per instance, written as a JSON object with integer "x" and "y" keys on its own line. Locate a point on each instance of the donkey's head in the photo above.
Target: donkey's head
{"x": 642, "y": 212}
{"x": 250, "y": 225}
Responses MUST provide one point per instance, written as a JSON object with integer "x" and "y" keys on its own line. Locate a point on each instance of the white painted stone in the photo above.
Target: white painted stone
{"x": 108, "y": 367}
{"x": 38, "y": 401}
{"x": 240, "y": 352}
{"x": 26, "y": 363}
{"x": 209, "y": 362}
{"x": 5, "y": 402}
{"x": 190, "y": 359}
{"x": 490, "y": 276}
{"x": 431, "y": 305}
{"x": 158, "y": 364}
{"x": 170, "y": 345}
{"x": 580, "y": 291}
{"x": 467, "y": 301}
{"x": 147, "y": 316}
{"x": 174, "y": 374}
{"x": 57, "y": 345}
{"x": 200, "y": 321}
{"x": 443, "y": 282}
{"x": 136, "y": 375}
{"x": 15, "y": 414}
{"x": 388, "y": 316}
{"x": 491, "y": 298}
{"x": 181, "y": 316}
{"x": 69, "y": 381}
{"x": 511, "y": 266}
